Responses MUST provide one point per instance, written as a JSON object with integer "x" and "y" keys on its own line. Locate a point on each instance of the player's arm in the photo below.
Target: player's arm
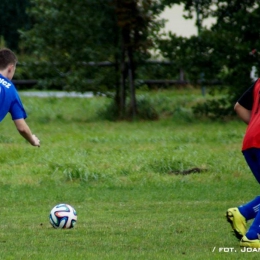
{"x": 244, "y": 105}
{"x": 243, "y": 113}
{"x": 25, "y": 131}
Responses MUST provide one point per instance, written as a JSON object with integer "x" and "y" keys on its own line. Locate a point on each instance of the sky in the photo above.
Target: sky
{"x": 178, "y": 25}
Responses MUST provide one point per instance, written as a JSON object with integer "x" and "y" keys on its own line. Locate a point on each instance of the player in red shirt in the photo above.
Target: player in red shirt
{"x": 248, "y": 109}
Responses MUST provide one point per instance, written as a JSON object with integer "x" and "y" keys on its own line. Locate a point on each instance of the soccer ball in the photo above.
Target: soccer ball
{"x": 63, "y": 216}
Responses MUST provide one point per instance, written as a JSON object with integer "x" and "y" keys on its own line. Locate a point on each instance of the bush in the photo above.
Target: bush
{"x": 218, "y": 108}
{"x": 145, "y": 110}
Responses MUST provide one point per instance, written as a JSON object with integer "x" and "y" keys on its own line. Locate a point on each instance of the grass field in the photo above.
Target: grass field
{"x": 121, "y": 178}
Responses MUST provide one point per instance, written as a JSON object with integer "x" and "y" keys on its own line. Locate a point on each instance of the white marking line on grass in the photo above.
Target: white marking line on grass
{"x": 58, "y": 94}
{"x": 213, "y": 249}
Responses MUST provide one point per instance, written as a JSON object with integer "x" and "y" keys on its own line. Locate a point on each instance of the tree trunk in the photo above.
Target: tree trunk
{"x": 122, "y": 92}
{"x": 133, "y": 107}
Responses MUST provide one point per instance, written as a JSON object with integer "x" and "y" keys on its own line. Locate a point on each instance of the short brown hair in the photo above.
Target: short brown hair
{"x": 7, "y": 57}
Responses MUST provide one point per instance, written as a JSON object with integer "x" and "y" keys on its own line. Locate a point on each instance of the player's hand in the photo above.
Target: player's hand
{"x": 36, "y": 141}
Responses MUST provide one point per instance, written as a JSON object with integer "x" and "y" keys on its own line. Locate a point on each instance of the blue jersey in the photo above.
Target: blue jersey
{"x": 10, "y": 101}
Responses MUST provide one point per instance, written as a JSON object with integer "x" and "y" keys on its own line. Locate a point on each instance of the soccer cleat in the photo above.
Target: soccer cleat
{"x": 245, "y": 242}
{"x": 237, "y": 221}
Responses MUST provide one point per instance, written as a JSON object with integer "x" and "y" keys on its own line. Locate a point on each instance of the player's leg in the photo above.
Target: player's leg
{"x": 252, "y": 157}
{"x": 240, "y": 215}
{"x": 252, "y": 236}
{"x": 251, "y": 209}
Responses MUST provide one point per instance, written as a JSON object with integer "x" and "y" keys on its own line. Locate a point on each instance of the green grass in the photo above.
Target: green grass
{"x": 118, "y": 176}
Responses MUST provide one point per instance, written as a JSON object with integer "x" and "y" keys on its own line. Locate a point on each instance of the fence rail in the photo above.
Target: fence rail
{"x": 149, "y": 82}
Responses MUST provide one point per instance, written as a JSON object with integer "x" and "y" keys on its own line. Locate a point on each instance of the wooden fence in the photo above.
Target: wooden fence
{"x": 151, "y": 83}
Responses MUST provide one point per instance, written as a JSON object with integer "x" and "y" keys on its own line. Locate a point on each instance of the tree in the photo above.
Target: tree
{"x": 223, "y": 51}
{"x": 193, "y": 54}
{"x": 234, "y": 35}
{"x": 12, "y": 18}
{"x": 70, "y": 34}
{"x": 135, "y": 20}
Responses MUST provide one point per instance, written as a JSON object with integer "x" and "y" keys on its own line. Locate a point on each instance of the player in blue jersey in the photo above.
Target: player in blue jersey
{"x": 10, "y": 101}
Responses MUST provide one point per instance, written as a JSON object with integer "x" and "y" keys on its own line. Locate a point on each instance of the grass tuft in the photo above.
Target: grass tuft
{"x": 76, "y": 172}
{"x": 166, "y": 165}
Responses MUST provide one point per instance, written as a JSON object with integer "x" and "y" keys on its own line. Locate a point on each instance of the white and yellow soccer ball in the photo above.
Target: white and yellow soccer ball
{"x": 63, "y": 216}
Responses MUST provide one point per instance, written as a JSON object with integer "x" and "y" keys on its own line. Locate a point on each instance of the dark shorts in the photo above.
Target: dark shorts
{"x": 252, "y": 157}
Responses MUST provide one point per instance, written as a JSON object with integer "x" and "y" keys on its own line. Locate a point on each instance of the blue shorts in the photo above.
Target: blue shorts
{"x": 252, "y": 157}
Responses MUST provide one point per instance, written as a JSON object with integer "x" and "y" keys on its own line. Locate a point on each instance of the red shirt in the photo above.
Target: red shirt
{"x": 252, "y": 135}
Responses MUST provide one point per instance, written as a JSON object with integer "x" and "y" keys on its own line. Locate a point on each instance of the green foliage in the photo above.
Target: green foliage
{"x": 146, "y": 110}
{"x": 157, "y": 71}
{"x": 98, "y": 37}
{"x": 158, "y": 104}
{"x": 66, "y": 36}
{"x": 221, "y": 52}
{"x": 218, "y": 108}
{"x": 13, "y": 18}
{"x": 62, "y": 50}
{"x": 234, "y": 52}
{"x": 193, "y": 55}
